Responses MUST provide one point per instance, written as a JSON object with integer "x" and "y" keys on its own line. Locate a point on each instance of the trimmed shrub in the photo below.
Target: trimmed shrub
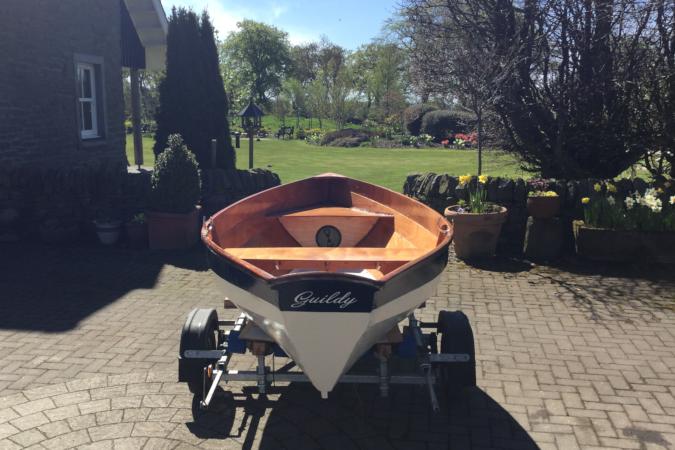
{"x": 175, "y": 185}
{"x": 440, "y": 124}
{"x": 413, "y": 115}
{"x": 346, "y": 138}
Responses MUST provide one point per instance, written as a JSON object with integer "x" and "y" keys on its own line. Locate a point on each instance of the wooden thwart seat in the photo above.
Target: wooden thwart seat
{"x": 324, "y": 257}
{"x": 332, "y": 211}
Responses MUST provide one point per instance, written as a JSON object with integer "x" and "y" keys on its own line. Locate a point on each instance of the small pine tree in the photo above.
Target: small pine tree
{"x": 192, "y": 99}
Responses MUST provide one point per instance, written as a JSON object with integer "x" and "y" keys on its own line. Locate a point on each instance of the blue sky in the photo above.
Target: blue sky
{"x": 348, "y": 23}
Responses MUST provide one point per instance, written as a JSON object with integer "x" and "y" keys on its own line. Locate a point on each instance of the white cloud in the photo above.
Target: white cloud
{"x": 226, "y": 13}
{"x": 223, "y": 15}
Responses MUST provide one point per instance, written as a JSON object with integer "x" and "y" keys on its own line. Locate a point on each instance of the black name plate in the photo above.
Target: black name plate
{"x": 325, "y": 296}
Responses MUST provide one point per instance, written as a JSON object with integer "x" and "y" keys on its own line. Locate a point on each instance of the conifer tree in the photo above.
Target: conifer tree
{"x": 192, "y": 99}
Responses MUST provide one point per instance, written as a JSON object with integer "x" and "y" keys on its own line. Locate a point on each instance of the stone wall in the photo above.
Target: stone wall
{"x": 440, "y": 191}
{"x": 39, "y": 41}
{"x": 59, "y": 204}
{"x": 224, "y": 187}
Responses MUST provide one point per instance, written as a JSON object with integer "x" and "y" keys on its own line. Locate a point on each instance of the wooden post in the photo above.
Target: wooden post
{"x": 250, "y": 148}
{"x": 214, "y": 148}
{"x": 136, "y": 116}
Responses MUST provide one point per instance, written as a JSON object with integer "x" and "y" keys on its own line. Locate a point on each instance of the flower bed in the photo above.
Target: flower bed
{"x": 639, "y": 227}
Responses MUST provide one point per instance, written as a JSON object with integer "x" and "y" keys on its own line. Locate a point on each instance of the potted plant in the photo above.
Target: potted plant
{"x": 108, "y": 227}
{"x": 173, "y": 215}
{"x": 137, "y": 230}
{"x": 542, "y": 203}
{"x": 641, "y": 227}
{"x": 477, "y": 222}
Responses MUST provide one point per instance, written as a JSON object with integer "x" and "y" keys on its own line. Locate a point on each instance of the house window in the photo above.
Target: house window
{"x": 87, "y": 101}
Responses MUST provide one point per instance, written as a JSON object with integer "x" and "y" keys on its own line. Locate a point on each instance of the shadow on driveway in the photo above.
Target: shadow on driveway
{"x": 355, "y": 417}
{"x": 53, "y": 288}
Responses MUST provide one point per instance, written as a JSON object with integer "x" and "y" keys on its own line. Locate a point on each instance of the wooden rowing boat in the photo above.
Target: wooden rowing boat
{"x": 328, "y": 265}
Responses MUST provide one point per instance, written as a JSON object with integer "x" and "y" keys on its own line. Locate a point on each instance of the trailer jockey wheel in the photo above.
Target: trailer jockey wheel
{"x": 200, "y": 332}
{"x": 456, "y": 338}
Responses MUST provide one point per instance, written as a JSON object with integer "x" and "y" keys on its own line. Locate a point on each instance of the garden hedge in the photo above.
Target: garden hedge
{"x": 413, "y": 115}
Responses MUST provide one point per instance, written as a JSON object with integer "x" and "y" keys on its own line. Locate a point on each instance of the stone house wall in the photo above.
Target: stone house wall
{"x": 39, "y": 43}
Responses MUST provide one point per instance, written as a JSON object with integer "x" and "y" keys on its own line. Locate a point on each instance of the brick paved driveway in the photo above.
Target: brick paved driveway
{"x": 571, "y": 357}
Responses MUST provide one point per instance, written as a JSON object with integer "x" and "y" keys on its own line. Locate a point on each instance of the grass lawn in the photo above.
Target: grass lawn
{"x": 294, "y": 160}
{"x": 148, "y": 155}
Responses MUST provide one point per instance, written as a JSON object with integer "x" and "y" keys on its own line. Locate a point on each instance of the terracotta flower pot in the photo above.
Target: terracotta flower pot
{"x": 543, "y": 207}
{"x": 170, "y": 231}
{"x": 137, "y": 233}
{"x": 475, "y": 235}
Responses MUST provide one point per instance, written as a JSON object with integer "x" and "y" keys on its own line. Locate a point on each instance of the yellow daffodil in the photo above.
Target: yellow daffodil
{"x": 611, "y": 187}
{"x": 550, "y": 194}
{"x": 464, "y": 179}
{"x": 482, "y": 179}
{"x": 597, "y": 187}
{"x": 585, "y": 200}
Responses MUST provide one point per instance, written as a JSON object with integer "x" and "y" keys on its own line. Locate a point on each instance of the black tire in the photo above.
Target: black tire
{"x": 200, "y": 332}
{"x": 456, "y": 337}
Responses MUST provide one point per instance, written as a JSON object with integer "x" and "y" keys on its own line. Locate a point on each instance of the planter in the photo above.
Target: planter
{"x": 475, "y": 235}
{"x": 602, "y": 244}
{"x": 108, "y": 231}
{"x": 137, "y": 234}
{"x": 543, "y": 207}
{"x": 170, "y": 231}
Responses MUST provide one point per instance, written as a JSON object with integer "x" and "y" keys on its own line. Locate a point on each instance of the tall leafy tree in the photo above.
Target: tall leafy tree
{"x": 192, "y": 99}
{"x": 561, "y": 74}
{"x": 254, "y": 60}
{"x": 378, "y": 70}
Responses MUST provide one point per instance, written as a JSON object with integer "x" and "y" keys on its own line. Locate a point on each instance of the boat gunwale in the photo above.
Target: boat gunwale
{"x": 315, "y": 274}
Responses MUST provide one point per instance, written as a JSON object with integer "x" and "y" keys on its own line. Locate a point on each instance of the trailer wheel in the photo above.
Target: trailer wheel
{"x": 200, "y": 332}
{"x": 456, "y": 337}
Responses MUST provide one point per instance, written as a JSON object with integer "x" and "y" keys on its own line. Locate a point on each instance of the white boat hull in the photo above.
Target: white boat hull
{"x": 325, "y": 345}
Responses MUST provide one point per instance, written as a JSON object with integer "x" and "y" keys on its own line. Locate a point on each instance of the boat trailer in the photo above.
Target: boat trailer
{"x": 208, "y": 345}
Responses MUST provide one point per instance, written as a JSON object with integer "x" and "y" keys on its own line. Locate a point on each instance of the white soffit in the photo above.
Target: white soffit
{"x": 152, "y": 26}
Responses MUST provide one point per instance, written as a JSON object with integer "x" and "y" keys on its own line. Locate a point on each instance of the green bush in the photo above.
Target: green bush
{"x": 176, "y": 181}
{"x": 348, "y": 137}
{"x": 300, "y": 133}
{"x": 440, "y": 124}
{"x": 413, "y": 115}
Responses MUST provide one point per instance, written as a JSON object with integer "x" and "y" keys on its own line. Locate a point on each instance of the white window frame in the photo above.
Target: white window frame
{"x": 94, "y": 132}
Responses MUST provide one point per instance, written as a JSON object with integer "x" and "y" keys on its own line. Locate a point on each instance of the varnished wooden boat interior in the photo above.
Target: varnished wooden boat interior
{"x": 277, "y": 233}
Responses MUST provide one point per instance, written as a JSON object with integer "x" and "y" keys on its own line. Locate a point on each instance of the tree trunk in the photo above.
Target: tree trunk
{"x": 136, "y": 116}
{"x": 479, "y": 120}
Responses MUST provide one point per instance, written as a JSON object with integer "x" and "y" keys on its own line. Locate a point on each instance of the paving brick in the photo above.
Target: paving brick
{"x": 54, "y": 429}
{"x": 69, "y": 440}
{"x": 71, "y": 398}
{"x": 153, "y": 429}
{"x": 114, "y": 431}
{"x": 28, "y": 438}
{"x": 95, "y": 406}
{"x": 7, "y": 430}
{"x": 30, "y": 421}
{"x": 63, "y": 412}
{"x": 34, "y": 406}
